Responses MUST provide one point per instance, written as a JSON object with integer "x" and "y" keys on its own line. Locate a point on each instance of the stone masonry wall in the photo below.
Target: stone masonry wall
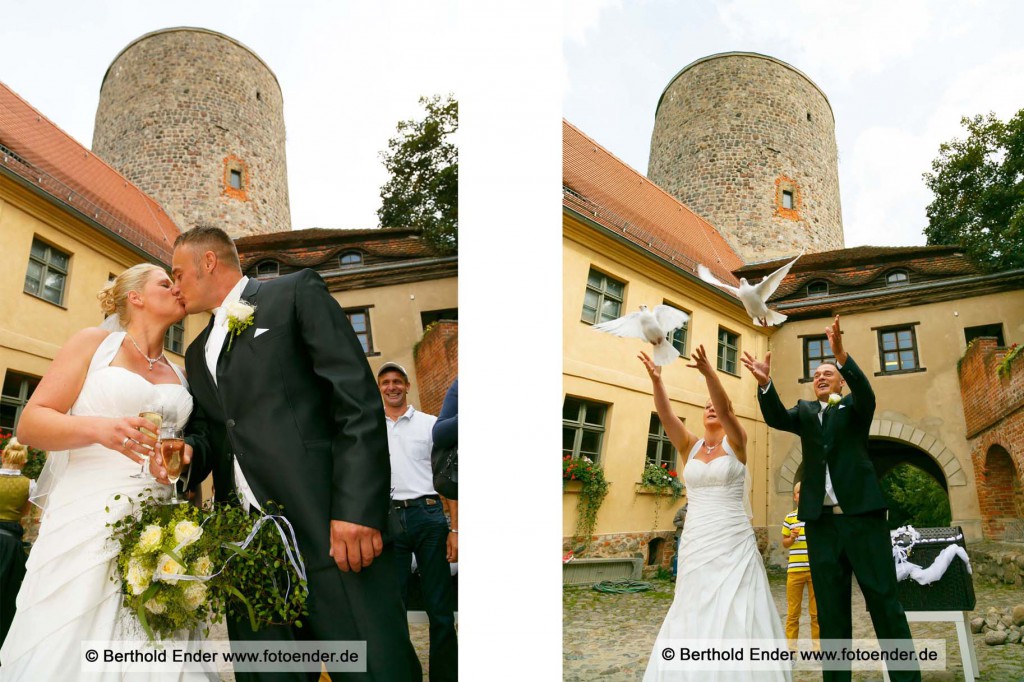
{"x": 437, "y": 364}
{"x": 731, "y": 133}
{"x": 994, "y": 414}
{"x": 179, "y": 109}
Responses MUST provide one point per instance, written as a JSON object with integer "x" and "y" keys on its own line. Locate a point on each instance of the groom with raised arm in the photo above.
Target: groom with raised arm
{"x": 841, "y": 502}
{"x": 287, "y": 409}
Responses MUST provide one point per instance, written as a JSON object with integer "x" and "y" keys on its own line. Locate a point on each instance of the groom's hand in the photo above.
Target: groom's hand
{"x": 159, "y": 471}
{"x": 354, "y": 547}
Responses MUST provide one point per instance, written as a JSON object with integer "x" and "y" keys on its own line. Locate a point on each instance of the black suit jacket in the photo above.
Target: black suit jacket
{"x": 300, "y": 409}
{"x": 841, "y": 440}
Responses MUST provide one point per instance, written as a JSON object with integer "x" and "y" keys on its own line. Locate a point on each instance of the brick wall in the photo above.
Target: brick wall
{"x": 995, "y": 429}
{"x": 437, "y": 364}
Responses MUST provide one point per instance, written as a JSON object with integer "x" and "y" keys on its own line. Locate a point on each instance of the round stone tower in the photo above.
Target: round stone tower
{"x": 748, "y": 142}
{"x": 196, "y": 120}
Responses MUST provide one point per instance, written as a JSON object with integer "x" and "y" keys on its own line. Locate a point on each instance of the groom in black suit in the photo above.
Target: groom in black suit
{"x": 290, "y": 412}
{"x": 841, "y": 502}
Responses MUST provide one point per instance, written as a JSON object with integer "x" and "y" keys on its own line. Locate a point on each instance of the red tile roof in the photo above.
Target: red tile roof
{"x": 607, "y": 191}
{"x": 46, "y": 156}
{"x": 313, "y": 246}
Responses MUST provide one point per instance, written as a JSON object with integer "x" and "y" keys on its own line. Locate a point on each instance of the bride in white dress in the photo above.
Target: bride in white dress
{"x": 722, "y": 589}
{"x": 88, "y": 405}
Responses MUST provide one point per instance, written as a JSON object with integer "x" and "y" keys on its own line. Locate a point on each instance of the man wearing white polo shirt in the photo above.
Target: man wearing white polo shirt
{"x": 424, "y": 528}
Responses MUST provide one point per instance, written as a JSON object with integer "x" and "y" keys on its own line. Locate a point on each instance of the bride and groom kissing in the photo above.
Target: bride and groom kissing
{"x": 279, "y": 406}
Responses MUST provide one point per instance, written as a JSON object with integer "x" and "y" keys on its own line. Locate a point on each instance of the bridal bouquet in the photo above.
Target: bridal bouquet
{"x": 181, "y": 567}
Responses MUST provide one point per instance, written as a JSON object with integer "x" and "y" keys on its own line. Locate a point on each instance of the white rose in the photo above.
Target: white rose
{"x": 168, "y": 565}
{"x": 240, "y": 310}
{"x": 186, "y": 532}
{"x": 202, "y": 566}
{"x": 195, "y": 595}
{"x": 138, "y": 576}
{"x": 150, "y": 539}
{"x": 834, "y": 399}
{"x": 154, "y": 606}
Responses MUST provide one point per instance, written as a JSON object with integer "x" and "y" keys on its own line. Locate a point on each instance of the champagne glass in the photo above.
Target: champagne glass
{"x": 154, "y": 413}
{"x": 172, "y": 449}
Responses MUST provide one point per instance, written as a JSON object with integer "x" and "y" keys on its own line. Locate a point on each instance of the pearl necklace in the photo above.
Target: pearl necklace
{"x": 150, "y": 360}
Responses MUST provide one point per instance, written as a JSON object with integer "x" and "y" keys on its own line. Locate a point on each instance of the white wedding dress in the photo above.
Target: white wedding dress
{"x": 71, "y": 592}
{"x": 722, "y": 589}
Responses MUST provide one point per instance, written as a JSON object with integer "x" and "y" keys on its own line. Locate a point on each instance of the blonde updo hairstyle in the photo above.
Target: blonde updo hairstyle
{"x": 15, "y": 454}
{"x": 114, "y": 297}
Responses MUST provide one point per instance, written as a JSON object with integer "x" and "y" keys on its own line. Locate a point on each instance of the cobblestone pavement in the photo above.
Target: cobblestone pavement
{"x": 609, "y": 637}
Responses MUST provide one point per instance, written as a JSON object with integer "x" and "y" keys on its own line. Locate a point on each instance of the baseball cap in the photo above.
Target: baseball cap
{"x": 389, "y": 366}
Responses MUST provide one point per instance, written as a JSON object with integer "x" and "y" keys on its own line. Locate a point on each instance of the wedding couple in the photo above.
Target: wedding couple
{"x": 722, "y": 589}
{"x": 280, "y": 406}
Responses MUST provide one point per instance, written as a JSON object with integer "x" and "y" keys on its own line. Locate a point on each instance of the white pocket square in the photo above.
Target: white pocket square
{"x": 840, "y": 407}
{"x": 259, "y": 331}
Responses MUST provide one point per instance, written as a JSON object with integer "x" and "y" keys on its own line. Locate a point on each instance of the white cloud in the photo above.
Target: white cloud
{"x": 581, "y": 17}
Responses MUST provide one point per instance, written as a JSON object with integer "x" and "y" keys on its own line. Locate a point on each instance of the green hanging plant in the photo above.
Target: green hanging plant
{"x": 595, "y": 488}
{"x": 1003, "y": 370}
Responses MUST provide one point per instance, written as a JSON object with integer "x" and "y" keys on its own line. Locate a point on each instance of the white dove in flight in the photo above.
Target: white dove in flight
{"x": 754, "y": 297}
{"x": 655, "y": 327}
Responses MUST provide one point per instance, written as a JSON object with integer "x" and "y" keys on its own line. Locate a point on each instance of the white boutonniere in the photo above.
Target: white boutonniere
{"x": 240, "y": 315}
{"x": 834, "y": 399}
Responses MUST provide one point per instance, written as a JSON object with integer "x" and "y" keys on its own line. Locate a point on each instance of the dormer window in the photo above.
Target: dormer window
{"x": 897, "y": 278}
{"x": 818, "y": 287}
{"x": 351, "y": 259}
{"x": 268, "y": 269}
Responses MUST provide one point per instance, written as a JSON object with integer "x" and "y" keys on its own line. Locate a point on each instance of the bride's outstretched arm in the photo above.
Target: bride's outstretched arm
{"x": 45, "y": 422}
{"x": 723, "y": 406}
{"x": 681, "y": 437}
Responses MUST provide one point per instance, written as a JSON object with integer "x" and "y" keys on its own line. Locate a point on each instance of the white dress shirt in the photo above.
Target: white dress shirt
{"x": 830, "y": 493}
{"x": 410, "y": 442}
{"x": 214, "y": 344}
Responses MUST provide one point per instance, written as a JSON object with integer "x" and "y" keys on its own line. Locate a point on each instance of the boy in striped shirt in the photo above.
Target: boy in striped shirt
{"x": 798, "y": 576}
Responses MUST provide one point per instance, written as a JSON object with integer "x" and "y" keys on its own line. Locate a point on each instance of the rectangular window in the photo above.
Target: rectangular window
{"x": 897, "y": 349}
{"x": 787, "y": 199}
{"x": 817, "y": 350}
{"x": 603, "y": 298}
{"x": 728, "y": 350}
{"x": 681, "y": 335}
{"x": 993, "y": 330}
{"x": 359, "y": 318}
{"x": 17, "y": 390}
{"x": 47, "y": 272}
{"x": 236, "y": 179}
{"x": 174, "y": 339}
{"x": 582, "y": 428}
{"x": 659, "y": 448}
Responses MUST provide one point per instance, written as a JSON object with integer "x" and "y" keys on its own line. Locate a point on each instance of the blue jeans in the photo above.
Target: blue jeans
{"x": 425, "y": 534}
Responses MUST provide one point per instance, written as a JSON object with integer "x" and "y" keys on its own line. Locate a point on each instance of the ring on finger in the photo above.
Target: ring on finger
{"x": 124, "y": 443}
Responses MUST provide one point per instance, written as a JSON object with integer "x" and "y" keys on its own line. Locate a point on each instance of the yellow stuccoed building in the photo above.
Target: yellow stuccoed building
{"x": 627, "y": 243}
{"x": 68, "y": 223}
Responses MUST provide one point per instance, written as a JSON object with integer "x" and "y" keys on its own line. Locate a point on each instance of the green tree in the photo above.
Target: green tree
{"x": 915, "y": 497}
{"x": 978, "y": 183}
{"x": 423, "y": 190}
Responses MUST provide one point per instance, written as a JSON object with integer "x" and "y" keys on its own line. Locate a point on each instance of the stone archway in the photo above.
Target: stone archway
{"x": 1000, "y": 494}
{"x": 932, "y": 456}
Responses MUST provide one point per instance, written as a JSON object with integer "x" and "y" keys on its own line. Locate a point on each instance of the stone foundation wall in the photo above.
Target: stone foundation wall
{"x": 997, "y": 562}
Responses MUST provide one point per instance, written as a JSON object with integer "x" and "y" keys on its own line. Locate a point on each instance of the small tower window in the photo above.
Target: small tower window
{"x": 236, "y": 179}
{"x": 787, "y": 199}
{"x": 808, "y": 117}
{"x": 351, "y": 259}
{"x": 818, "y": 287}
{"x": 897, "y": 278}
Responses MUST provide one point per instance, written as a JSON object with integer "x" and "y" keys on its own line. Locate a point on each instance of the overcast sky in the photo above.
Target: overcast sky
{"x": 899, "y": 76}
{"x": 349, "y": 71}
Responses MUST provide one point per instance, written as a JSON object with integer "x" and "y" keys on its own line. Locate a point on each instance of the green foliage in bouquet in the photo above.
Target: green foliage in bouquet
{"x": 161, "y": 546}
